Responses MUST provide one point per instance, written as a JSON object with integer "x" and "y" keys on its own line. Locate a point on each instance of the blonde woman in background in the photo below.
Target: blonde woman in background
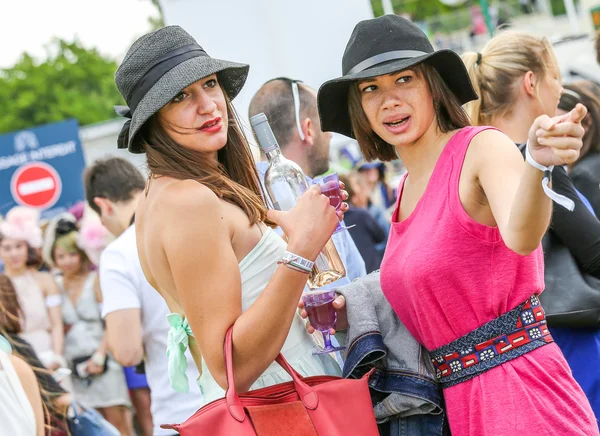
{"x": 98, "y": 381}
{"x": 518, "y": 80}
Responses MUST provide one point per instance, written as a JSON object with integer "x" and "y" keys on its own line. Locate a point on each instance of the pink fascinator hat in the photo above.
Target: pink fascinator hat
{"x": 93, "y": 236}
{"x": 23, "y": 224}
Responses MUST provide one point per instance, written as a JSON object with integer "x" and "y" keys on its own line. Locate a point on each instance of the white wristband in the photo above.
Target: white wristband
{"x": 531, "y": 161}
{"x": 98, "y": 358}
{"x": 565, "y": 202}
{"x": 296, "y": 261}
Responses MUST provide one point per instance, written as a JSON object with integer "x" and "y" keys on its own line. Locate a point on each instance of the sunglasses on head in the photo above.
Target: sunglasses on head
{"x": 296, "y": 97}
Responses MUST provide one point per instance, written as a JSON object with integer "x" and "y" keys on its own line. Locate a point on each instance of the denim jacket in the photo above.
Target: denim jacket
{"x": 403, "y": 387}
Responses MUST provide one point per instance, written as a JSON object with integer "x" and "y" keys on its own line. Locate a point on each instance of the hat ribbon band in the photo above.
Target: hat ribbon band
{"x": 385, "y": 57}
{"x": 161, "y": 66}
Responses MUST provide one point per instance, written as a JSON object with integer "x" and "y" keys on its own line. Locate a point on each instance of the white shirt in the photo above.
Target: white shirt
{"x": 125, "y": 287}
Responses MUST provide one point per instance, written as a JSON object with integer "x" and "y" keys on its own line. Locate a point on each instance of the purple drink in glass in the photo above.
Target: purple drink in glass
{"x": 322, "y": 316}
{"x": 330, "y": 186}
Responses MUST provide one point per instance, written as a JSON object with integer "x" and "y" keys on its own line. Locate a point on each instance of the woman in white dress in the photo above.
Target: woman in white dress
{"x": 22, "y": 413}
{"x": 98, "y": 380}
{"x": 203, "y": 232}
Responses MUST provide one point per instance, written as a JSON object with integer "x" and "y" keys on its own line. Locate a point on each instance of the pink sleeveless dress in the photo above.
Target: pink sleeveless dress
{"x": 446, "y": 275}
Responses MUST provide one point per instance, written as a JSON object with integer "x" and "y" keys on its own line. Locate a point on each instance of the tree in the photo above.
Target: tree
{"x": 157, "y": 22}
{"x": 417, "y": 9}
{"x": 73, "y": 82}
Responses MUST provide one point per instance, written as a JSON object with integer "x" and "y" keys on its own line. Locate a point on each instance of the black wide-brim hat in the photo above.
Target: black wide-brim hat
{"x": 380, "y": 46}
{"x": 157, "y": 67}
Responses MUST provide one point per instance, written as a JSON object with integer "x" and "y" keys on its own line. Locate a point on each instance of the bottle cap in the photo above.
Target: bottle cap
{"x": 264, "y": 134}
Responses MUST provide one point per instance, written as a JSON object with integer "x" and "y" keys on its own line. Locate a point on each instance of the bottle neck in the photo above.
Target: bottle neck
{"x": 273, "y": 154}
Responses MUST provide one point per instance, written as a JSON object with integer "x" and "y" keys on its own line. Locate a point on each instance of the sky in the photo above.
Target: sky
{"x": 109, "y": 25}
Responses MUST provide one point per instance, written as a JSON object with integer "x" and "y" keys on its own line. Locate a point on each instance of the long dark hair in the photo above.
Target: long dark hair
{"x": 10, "y": 325}
{"x": 589, "y": 95}
{"x": 449, "y": 113}
{"x": 10, "y": 308}
{"x": 233, "y": 178}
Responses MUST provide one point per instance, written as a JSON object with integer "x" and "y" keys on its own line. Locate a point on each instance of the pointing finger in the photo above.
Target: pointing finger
{"x": 545, "y": 122}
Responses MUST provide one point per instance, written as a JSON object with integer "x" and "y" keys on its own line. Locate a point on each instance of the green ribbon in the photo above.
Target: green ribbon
{"x": 177, "y": 343}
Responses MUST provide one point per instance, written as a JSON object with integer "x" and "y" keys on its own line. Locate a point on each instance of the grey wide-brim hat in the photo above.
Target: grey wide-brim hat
{"x": 382, "y": 46}
{"x": 157, "y": 67}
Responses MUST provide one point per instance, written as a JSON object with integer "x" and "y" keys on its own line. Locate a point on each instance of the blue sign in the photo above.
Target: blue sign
{"x": 42, "y": 167}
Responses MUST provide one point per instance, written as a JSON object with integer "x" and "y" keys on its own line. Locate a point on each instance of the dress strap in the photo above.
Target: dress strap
{"x": 177, "y": 343}
{"x": 461, "y": 142}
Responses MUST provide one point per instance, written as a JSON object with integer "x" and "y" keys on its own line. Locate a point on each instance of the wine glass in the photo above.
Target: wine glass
{"x": 322, "y": 316}
{"x": 330, "y": 186}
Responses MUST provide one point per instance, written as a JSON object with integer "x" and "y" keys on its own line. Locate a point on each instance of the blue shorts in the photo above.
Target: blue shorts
{"x": 134, "y": 380}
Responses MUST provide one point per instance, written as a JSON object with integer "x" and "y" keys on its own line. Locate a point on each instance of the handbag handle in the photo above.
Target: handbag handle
{"x": 306, "y": 393}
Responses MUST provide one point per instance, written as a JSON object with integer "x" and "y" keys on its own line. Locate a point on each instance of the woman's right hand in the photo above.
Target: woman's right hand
{"x": 309, "y": 224}
{"x": 339, "y": 305}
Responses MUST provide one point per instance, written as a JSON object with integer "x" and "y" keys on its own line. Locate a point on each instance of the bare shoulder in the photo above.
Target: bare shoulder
{"x": 22, "y": 369}
{"x": 45, "y": 279}
{"x": 185, "y": 204}
{"x": 181, "y": 196}
{"x": 492, "y": 139}
{"x": 492, "y": 146}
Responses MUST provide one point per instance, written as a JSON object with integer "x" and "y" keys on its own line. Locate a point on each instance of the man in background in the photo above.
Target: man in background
{"x": 135, "y": 313}
{"x": 291, "y": 108}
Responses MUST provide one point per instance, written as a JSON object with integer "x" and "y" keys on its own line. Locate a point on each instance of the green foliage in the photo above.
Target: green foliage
{"x": 74, "y": 82}
{"x": 158, "y": 22}
{"x": 558, "y": 7}
{"x": 439, "y": 18}
{"x": 417, "y": 9}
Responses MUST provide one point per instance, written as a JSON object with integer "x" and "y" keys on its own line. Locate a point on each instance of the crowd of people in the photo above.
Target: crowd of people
{"x": 474, "y": 272}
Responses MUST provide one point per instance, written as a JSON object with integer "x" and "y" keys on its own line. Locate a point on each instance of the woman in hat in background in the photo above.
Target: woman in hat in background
{"x": 203, "y": 231}
{"x": 20, "y": 240}
{"x": 98, "y": 381}
{"x": 518, "y": 80}
{"x": 464, "y": 248}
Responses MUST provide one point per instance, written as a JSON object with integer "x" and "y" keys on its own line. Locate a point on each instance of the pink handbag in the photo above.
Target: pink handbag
{"x": 321, "y": 405}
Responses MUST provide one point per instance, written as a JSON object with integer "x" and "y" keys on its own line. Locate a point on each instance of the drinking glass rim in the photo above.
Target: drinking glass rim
{"x": 318, "y": 291}
{"x": 325, "y": 178}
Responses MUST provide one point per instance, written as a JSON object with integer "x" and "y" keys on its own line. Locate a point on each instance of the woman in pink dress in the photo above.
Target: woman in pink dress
{"x": 463, "y": 264}
{"x": 20, "y": 240}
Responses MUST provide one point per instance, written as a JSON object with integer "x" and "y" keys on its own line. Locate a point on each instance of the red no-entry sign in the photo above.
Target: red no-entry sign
{"x": 36, "y": 184}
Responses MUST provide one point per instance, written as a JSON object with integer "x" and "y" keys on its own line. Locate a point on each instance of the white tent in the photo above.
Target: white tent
{"x": 304, "y": 40}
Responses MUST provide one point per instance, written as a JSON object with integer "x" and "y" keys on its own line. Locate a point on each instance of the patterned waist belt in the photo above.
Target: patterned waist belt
{"x": 505, "y": 338}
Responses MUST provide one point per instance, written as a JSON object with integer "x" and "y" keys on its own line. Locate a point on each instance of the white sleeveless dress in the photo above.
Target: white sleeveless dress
{"x": 16, "y": 414}
{"x": 85, "y": 333}
{"x": 256, "y": 270}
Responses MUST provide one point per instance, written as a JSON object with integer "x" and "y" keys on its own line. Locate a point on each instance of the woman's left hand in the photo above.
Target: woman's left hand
{"x": 557, "y": 140}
